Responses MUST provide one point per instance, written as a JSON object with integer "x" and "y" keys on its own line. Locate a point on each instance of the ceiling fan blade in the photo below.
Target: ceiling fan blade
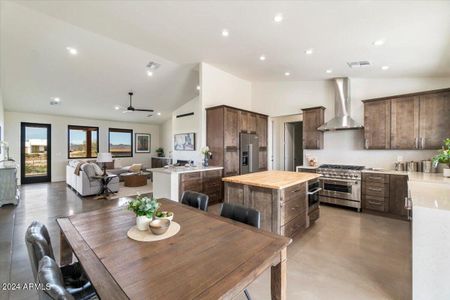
{"x": 149, "y": 110}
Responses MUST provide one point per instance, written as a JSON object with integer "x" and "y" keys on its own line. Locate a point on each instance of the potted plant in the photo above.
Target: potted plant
{"x": 443, "y": 157}
{"x": 145, "y": 209}
{"x": 206, "y": 155}
{"x": 160, "y": 152}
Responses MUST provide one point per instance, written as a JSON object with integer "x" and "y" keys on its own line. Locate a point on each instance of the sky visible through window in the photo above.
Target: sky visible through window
{"x": 36, "y": 133}
{"x": 117, "y": 138}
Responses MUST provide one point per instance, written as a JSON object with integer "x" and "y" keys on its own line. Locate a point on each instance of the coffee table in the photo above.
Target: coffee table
{"x": 135, "y": 179}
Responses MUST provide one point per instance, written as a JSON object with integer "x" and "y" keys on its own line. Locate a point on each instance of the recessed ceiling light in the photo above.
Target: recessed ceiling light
{"x": 309, "y": 51}
{"x": 198, "y": 87}
{"x": 329, "y": 71}
{"x": 55, "y": 101}
{"x": 158, "y": 113}
{"x": 278, "y": 18}
{"x": 225, "y": 32}
{"x": 149, "y": 73}
{"x": 384, "y": 68}
{"x": 72, "y": 50}
{"x": 378, "y": 42}
{"x": 287, "y": 73}
{"x": 262, "y": 57}
{"x": 117, "y": 107}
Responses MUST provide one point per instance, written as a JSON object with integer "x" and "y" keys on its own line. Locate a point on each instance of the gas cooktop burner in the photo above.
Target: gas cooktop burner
{"x": 342, "y": 167}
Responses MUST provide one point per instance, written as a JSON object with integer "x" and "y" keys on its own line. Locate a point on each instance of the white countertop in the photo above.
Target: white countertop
{"x": 307, "y": 167}
{"x": 415, "y": 176}
{"x": 179, "y": 170}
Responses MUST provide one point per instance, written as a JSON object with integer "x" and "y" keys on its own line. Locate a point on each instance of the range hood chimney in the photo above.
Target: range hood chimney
{"x": 342, "y": 108}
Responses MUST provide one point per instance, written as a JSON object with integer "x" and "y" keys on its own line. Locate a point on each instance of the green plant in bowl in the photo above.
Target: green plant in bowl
{"x": 144, "y": 209}
{"x": 443, "y": 156}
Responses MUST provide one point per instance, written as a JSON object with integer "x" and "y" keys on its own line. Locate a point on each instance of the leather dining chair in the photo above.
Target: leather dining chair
{"x": 244, "y": 215}
{"x": 194, "y": 199}
{"x": 50, "y": 276}
{"x": 39, "y": 245}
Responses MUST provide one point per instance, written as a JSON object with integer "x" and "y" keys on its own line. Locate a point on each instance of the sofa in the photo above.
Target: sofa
{"x": 85, "y": 186}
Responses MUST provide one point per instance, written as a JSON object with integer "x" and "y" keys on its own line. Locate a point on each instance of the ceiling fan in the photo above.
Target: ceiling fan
{"x": 131, "y": 108}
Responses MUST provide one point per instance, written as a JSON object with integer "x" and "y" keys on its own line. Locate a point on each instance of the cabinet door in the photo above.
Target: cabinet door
{"x": 397, "y": 194}
{"x": 377, "y": 125}
{"x": 231, "y": 161}
{"x": 434, "y": 120}
{"x": 261, "y": 130}
{"x": 252, "y": 123}
{"x": 231, "y": 127}
{"x": 312, "y": 119}
{"x": 405, "y": 123}
{"x": 243, "y": 121}
{"x": 262, "y": 160}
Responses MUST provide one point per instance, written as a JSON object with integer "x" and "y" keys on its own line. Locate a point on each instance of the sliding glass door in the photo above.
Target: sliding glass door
{"x": 35, "y": 161}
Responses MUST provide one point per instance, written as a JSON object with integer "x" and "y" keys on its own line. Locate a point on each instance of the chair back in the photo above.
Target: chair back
{"x": 241, "y": 214}
{"x": 50, "y": 276}
{"x": 38, "y": 244}
{"x": 194, "y": 199}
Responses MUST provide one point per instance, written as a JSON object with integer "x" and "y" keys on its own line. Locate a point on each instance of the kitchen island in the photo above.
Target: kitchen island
{"x": 171, "y": 182}
{"x": 280, "y": 196}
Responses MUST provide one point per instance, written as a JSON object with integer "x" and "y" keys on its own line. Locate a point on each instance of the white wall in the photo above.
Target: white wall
{"x": 186, "y": 125}
{"x": 59, "y": 138}
{"x": 166, "y": 137}
{"x": 346, "y": 147}
{"x": 2, "y": 118}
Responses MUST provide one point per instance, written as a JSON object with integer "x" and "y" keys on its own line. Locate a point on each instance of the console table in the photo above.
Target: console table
{"x": 9, "y": 192}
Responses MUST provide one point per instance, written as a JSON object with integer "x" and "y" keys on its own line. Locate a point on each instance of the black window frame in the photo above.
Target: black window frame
{"x": 130, "y": 131}
{"x": 69, "y": 127}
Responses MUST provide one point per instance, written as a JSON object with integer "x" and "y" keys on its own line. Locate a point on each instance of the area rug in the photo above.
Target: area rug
{"x": 125, "y": 191}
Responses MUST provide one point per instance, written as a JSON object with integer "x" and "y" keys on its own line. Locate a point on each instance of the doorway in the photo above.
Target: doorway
{"x": 293, "y": 145}
{"x": 35, "y": 153}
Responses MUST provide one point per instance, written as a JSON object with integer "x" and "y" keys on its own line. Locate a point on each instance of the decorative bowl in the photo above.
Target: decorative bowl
{"x": 159, "y": 226}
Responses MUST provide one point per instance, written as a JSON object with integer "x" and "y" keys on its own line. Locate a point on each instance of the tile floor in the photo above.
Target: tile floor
{"x": 345, "y": 255}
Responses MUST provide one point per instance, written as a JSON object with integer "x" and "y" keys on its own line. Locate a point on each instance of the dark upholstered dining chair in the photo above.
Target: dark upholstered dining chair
{"x": 39, "y": 245}
{"x": 194, "y": 199}
{"x": 244, "y": 215}
{"x": 50, "y": 276}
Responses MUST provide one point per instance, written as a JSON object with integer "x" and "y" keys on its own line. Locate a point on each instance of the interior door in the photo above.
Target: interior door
{"x": 35, "y": 149}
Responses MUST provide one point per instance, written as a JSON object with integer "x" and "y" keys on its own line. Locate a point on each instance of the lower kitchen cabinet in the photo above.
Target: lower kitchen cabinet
{"x": 206, "y": 182}
{"x": 385, "y": 194}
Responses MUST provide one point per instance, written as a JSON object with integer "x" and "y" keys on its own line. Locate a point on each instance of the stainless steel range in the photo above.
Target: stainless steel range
{"x": 341, "y": 185}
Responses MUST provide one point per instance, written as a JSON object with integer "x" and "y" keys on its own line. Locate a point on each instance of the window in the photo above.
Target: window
{"x": 121, "y": 142}
{"x": 82, "y": 142}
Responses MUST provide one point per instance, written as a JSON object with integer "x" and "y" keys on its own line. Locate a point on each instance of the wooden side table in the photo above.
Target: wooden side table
{"x": 105, "y": 191}
{"x": 135, "y": 179}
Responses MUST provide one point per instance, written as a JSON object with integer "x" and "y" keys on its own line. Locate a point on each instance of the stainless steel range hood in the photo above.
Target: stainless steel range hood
{"x": 342, "y": 108}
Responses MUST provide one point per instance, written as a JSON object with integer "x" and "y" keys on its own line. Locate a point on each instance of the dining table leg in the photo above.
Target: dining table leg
{"x": 65, "y": 250}
{"x": 278, "y": 277}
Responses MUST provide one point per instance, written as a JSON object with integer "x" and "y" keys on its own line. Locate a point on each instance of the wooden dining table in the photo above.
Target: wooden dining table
{"x": 209, "y": 258}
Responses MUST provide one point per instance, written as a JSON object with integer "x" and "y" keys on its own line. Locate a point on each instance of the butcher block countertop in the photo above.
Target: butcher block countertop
{"x": 272, "y": 179}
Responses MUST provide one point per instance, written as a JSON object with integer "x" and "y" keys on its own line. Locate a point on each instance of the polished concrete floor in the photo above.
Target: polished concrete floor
{"x": 345, "y": 255}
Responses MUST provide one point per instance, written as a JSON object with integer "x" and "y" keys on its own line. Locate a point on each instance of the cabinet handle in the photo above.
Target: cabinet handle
{"x": 422, "y": 143}
{"x": 416, "y": 140}
{"x": 366, "y": 143}
{"x": 408, "y": 203}
{"x": 374, "y": 189}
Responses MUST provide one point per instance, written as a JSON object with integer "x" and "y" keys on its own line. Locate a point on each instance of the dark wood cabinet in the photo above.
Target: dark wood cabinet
{"x": 377, "y": 125}
{"x": 412, "y": 121}
{"x": 206, "y": 182}
{"x": 159, "y": 162}
{"x": 313, "y": 118}
{"x": 434, "y": 120}
{"x": 385, "y": 194}
{"x": 405, "y": 123}
{"x": 224, "y": 124}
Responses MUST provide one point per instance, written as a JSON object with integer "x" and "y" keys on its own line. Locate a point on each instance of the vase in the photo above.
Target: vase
{"x": 206, "y": 161}
{"x": 446, "y": 172}
{"x": 142, "y": 222}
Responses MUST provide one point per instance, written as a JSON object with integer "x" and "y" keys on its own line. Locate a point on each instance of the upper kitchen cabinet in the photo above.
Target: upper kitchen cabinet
{"x": 405, "y": 123}
{"x": 377, "y": 125}
{"x": 434, "y": 120}
{"x": 247, "y": 122}
{"x": 412, "y": 121}
{"x": 261, "y": 130}
{"x": 313, "y": 118}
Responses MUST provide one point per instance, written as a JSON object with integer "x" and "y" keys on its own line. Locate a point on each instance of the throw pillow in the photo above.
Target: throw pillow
{"x": 135, "y": 168}
{"x": 97, "y": 169}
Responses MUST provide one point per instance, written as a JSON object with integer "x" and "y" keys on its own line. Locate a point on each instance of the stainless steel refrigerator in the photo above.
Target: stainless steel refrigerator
{"x": 249, "y": 153}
